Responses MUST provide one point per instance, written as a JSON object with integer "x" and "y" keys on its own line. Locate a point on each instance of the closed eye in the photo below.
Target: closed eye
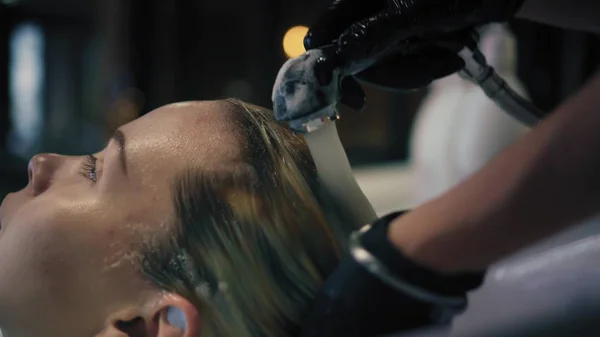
{"x": 88, "y": 168}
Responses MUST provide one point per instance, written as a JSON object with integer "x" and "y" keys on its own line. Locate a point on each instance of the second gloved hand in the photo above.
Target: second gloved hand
{"x": 377, "y": 290}
{"x": 427, "y": 34}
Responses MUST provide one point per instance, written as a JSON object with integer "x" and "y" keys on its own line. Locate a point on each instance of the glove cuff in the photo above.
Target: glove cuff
{"x": 375, "y": 241}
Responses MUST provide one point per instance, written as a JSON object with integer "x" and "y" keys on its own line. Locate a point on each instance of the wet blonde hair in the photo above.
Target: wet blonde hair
{"x": 254, "y": 241}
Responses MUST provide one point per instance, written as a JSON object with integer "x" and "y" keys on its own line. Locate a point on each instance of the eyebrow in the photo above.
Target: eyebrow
{"x": 119, "y": 138}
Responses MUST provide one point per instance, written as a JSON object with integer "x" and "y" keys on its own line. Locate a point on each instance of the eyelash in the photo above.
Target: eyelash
{"x": 88, "y": 168}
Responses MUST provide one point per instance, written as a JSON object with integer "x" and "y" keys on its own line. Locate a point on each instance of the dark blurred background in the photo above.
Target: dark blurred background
{"x": 71, "y": 71}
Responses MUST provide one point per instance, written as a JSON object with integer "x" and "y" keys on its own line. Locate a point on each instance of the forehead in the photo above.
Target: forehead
{"x": 199, "y": 135}
{"x": 190, "y": 130}
{"x": 187, "y": 117}
{"x": 172, "y": 139}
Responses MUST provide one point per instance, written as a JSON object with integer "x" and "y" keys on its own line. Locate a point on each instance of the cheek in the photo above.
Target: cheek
{"x": 50, "y": 245}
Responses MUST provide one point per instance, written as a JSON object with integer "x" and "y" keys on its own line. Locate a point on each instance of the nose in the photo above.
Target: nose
{"x": 41, "y": 170}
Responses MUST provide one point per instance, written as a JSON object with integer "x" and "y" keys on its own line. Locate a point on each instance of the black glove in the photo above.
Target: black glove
{"x": 355, "y": 302}
{"x": 426, "y": 33}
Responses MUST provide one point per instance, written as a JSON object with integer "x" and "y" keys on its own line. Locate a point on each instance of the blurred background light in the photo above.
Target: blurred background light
{"x": 26, "y": 68}
{"x": 8, "y": 2}
{"x": 293, "y": 41}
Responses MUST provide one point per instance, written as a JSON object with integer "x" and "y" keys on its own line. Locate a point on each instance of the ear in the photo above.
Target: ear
{"x": 169, "y": 316}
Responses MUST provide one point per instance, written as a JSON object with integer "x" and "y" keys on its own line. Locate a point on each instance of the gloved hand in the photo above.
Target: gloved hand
{"x": 359, "y": 300}
{"x": 426, "y": 33}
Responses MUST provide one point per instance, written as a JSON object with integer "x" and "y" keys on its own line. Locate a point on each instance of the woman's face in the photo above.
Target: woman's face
{"x": 67, "y": 240}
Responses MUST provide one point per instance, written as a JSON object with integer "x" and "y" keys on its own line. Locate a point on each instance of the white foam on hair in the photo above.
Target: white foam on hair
{"x": 146, "y": 235}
